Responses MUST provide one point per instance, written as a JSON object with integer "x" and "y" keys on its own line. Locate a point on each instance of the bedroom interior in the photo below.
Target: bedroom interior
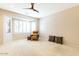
{"x": 39, "y": 29}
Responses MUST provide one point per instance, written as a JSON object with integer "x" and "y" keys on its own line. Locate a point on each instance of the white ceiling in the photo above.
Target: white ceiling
{"x": 43, "y": 8}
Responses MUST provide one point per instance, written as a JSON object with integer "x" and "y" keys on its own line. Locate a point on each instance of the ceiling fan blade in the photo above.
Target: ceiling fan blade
{"x": 35, "y": 10}
{"x": 27, "y": 8}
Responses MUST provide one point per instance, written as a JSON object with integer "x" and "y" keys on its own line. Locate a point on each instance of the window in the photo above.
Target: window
{"x": 20, "y": 29}
{"x": 33, "y": 24}
{"x": 22, "y": 26}
{"x": 28, "y": 27}
{"x": 16, "y": 25}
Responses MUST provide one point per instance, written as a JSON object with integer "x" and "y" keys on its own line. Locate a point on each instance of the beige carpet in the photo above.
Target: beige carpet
{"x": 36, "y": 48}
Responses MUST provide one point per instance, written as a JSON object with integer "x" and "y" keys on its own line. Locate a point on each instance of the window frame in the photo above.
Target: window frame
{"x": 15, "y": 19}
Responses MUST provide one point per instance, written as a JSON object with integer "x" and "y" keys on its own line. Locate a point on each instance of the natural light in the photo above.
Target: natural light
{"x": 22, "y": 26}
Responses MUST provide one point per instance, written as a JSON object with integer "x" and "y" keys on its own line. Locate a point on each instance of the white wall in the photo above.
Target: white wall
{"x": 64, "y": 23}
{"x": 1, "y": 30}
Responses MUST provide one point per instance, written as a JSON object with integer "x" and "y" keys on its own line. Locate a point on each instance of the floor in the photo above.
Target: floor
{"x": 36, "y": 48}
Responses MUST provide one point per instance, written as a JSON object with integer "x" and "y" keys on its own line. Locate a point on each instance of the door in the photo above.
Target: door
{"x": 7, "y": 29}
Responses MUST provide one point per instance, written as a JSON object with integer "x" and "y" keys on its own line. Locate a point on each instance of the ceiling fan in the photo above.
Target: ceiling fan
{"x": 32, "y": 8}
